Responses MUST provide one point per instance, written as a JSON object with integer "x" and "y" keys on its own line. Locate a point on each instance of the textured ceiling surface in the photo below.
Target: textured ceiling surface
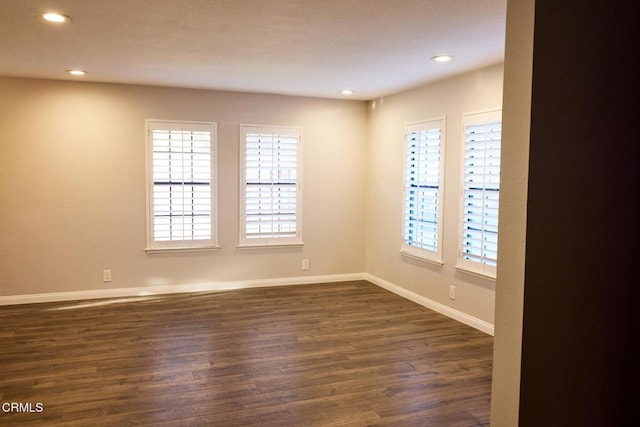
{"x": 293, "y": 47}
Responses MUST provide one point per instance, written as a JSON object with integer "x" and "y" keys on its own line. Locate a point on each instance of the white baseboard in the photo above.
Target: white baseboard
{"x": 174, "y": 289}
{"x": 474, "y": 322}
{"x": 244, "y": 284}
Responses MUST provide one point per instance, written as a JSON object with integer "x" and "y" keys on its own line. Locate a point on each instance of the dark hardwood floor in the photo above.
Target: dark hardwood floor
{"x": 339, "y": 354}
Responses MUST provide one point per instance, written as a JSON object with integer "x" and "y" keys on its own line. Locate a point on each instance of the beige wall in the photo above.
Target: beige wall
{"x": 72, "y": 186}
{"x": 452, "y": 97}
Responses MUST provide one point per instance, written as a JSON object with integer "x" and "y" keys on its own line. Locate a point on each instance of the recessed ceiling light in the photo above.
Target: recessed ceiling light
{"x": 442, "y": 58}
{"x": 347, "y": 92}
{"x": 55, "y": 17}
{"x": 77, "y": 72}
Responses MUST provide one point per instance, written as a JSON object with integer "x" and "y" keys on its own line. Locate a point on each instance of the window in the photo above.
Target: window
{"x": 181, "y": 170}
{"x": 423, "y": 177}
{"x": 480, "y": 192}
{"x": 270, "y": 211}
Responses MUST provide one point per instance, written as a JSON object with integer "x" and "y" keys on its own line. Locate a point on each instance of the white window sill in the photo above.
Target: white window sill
{"x": 270, "y": 245}
{"x": 466, "y": 270}
{"x": 182, "y": 249}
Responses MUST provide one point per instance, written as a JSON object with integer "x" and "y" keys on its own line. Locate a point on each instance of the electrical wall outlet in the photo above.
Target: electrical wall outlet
{"x": 305, "y": 264}
{"x": 106, "y": 275}
{"x": 452, "y": 292}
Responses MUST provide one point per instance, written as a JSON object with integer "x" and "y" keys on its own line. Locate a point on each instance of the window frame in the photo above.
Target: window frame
{"x": 188, "y": 244}
{"x": 421, "y": 251}
{"x": 245, "y": 241}
{"x": 481, "y": 268}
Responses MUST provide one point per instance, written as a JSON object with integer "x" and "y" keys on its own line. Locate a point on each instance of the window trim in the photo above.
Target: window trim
{"x": 465, "y": 265}
{"x": 181, "y": 245}
{"x": 245, "y": 242}
{"x": 421, "y": 253}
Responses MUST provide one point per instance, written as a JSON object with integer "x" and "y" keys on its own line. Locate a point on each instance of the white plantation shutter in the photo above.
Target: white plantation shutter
{"x": 422, "y": 219}
{"x": 182, "y": 197}
{"x": 480, "y": 192}
{"x": 270, "y": 168}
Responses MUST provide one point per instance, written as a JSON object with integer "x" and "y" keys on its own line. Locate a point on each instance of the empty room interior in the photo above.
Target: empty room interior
{"x": 289, "y": 212}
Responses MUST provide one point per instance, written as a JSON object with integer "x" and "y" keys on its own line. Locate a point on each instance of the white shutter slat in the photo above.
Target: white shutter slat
{"x": 422, "y": 192}
{"x": 182, "y": 181}
{"x": 270, "y": 188}
{"x": 481, "y": 185}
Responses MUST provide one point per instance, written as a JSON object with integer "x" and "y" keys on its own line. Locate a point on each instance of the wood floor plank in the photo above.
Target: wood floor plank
{"x": 339, "y": 354}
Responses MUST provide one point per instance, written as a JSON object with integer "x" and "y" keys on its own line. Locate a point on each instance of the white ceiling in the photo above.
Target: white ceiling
{"x": 293, "y": 47}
